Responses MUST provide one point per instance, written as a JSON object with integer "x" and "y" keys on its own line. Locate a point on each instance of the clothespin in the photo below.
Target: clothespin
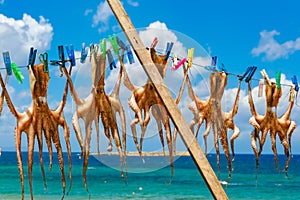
{"x": 103, "y": 47}
{"x": 179, "y": 64}
{"x": 214, "y": 60}
{"x": 211, "y": 68}
{"x": 250, "y": 74}
{"x": 83, "y": 53}
{"x": 295, "y": 82}
{"x": 61, "y": 55}
{"x": 224, "y": 69}
{"x": 245, "y": 74}
{"x": 121, "y": 44}
{"x": 114, "y": 43}
{"x": 18, "y": 74}
{"x": 32, "y": 55}
{"x": 111, "y": 60}
{"x": 278, "y": 78}
{"x": 70, "y": 52}
{"x": 7, "y": 62}
{"x": 154, "y": 43}
{"x": 190, "y": 57}
{"x": 260, "y": 87}
{"x": 168, "y": 50}
{"x": 174, "y": 61}
{"x": 129, "y": 54}
{"x": 43, "y": 57}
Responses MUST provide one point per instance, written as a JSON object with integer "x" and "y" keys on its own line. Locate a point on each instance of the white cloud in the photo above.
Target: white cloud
{"x": 87, "y": 12}
{"x": 102, "y": 16}
{"x": 22, "y": 34}
{"x": 272, "y": 49}
{"x": 133, "y": 3}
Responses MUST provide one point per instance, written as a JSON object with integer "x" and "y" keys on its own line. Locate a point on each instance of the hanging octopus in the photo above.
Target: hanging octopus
{"x": 96, "y": 104}
{"x": 2, "y": 95}
{"x": 39, "y": 118}
{"x": 269, "y": 122}
{"x": 145, "y": 98}
{"x": 211, "y": 112}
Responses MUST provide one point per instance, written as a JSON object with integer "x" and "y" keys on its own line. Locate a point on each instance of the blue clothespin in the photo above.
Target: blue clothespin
{"x": 245, "y": 74}
{"x": 251, "y": 73}
{"x": 295, "y": 82}
{"x": 211, "y": 68}
{"x": 70, "y": 52}
{"x": 224, "y": 69}
{"x": 61, "y": 55}
{"x": 7, "y": 62}
{"x": 114, "y": 43}
{"x": 32, "y": 56}
{"x": 83, "y": 53}
{"x": 121, "y": 44}
{"x": 111, "y": 60}
{"x": 129, "y": 54}
{"x": 168, "y": 50}
{"x": 214, "y": 61}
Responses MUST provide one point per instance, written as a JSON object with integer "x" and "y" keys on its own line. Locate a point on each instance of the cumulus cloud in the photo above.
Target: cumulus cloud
{"x": 21, "y": 34}
{"x": 272, "y": 49}
{"x": 102, "y": 16}
{"x": 87, "y": 12}
{"x": 133, "y": 3}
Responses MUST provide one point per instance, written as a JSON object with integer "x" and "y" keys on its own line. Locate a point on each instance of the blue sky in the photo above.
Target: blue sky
{"x": 241, "y": 33}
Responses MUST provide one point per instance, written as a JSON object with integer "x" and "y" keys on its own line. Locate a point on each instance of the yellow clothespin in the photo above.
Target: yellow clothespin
{"x": 190, "y": 57}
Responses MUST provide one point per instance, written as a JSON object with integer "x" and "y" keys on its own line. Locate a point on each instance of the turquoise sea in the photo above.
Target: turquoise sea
{"x": 149, "y": 181}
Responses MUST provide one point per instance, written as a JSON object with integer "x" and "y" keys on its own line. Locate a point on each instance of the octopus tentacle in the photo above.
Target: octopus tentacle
{"x": 86, "y": 153}
{"x": 30, "y": 141}
{"x": 273, "y": 140}
{"x": 236, "y": 133}
{"x": 47, "y": 134}
{"x": 3, "y": 94}
{"x": 56, "y": 140}
{"x": 224, "y": 143}
{"x": 40, "y": 145}
{"x": 207, "y": 129}
{"x": 76, "y": 127}
{"x": 18, "y": 140}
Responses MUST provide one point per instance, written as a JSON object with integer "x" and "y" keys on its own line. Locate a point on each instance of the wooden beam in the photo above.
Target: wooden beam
{"x": 187, "y": 136}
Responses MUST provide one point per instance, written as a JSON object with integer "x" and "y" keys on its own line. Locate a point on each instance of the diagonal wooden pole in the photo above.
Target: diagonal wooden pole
{"x": 190, "y": 141}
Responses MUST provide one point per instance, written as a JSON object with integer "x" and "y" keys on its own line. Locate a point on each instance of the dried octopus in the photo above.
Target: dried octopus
{"x": 39, "y": 118}
{"x": 211, "y": 112}
{"x": 145, "y": 98}
{"x": 96, "y": 104}
{"x": 269, "y": 122}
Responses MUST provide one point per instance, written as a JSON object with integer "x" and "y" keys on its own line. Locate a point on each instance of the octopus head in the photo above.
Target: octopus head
{"x": 159, "y": 61}
{"x": 38, "y": 82}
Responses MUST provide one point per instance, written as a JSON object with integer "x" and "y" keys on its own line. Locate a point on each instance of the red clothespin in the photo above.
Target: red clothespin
{"x": 260, "y": 87}
{"x": 154, "y": 43}
{"x": 179, "y": 64}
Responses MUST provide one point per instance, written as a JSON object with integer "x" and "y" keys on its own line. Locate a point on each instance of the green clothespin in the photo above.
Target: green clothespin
{"x": 278, "y": 77}
{"x": 103, "y": 47}
{"x": 44, "y": 59}
{"x": 114, "y": 43}
{"x": 18, "y": 74}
